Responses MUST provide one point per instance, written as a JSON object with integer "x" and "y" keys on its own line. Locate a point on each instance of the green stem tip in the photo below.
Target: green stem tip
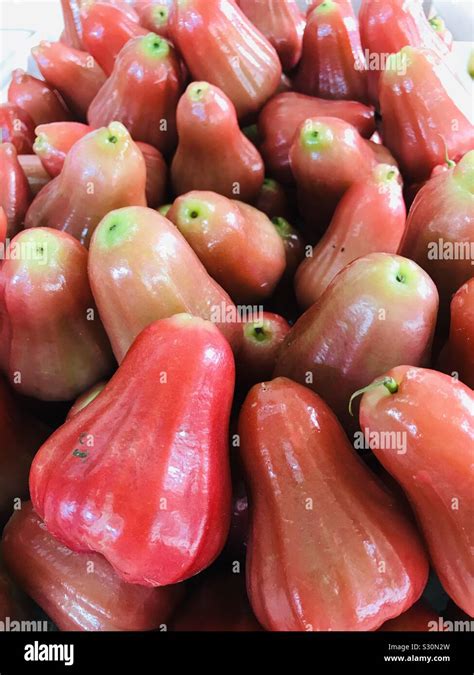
{"x": 388, "y": 382}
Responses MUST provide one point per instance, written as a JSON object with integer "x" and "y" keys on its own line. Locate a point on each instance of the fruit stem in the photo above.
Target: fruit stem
{"x": 388, "y": 382}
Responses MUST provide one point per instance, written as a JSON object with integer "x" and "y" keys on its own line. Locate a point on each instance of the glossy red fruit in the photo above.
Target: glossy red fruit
{"x": 332, "y": 65}
{"x": 106, "y": 29}
{"x": 419, "y": 618}
{"x": 262, "y": 338}
{"x": 53, "y": 343}
{"x": 458, "y": 354}
{"x": 424, "y": 110}
{"x": 221, "y": 46}
{"x": 293, "y": 243}
{"x": 142, "y": 92}
{"x": 84, "y": 399}
{"x": 104, "y": 170}
{"x": 35, "y": 172}
{"x": 440, "y": 229}
{"x": 388, "y": 25}
{"x": 237, "y": 244}
{"x": 346, "y": 338}
{"x": 370, "y": 218}
{"x": 79, "y": 591}
{"x": 273, "y": 200}
{"x": 182, "y": 461}
{"x": 218, "y": 603}
{"x": 141, "y": 243}
{"x": 346, "y": 6}
{"x": 327, "y": 156}
{"x": 17, "y": 127}
{"x": 282, "y": 23}
{"x": 72, "y": 33}
{"x": 213, "y": 153}
{"x": 3, "y": 225}
{"x": 42, "y": 103}
{"x": 437, "y": 481}
{"x": 156, "y": 174}
{"x": 283, "y": 115}
{"x": 15, "y": 193}
{"x": 14, "y": 606}
{"x": 155, "y": 15}
{"x": 22, "y": 435}
{"x": 354, "y": 560}
{"x": 53, "y": 142}
{"x": 75, "y": 74}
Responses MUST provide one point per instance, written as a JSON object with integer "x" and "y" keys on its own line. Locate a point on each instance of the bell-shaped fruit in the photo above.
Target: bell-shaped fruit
{"x": 22, "y": 435}
{"x": 155, "y": 15}
{"x": 332, "y": 64}
{"x": 424, "y": 110}
{"x": 218, "y": 603}
{"x": 283, "y": 115}
{"x": 78, "y": 591}
{"x": 142, "y": 269}
{"x": 180, "y": 464}
{"x": 262, "y": 337}
{"x": 53, "y": 343}
{"x": 103, "y": 171}
{"x": 369, "y": 218}
{"x": 75, "y": 74}
{"x": 15, "y": 193}
{"x": 213, "y": 154}
{"x": 379, "y": 312}
{"x": 221, "y": 46}
{"x": 142, "y": 92}
{"x": 436, "y": 469}
{"x": 53, "y": 142}
{"x": 16, "y": 127}
{"x": 42, "y": 103}
{"x": 237, "y": 244}
{"x": 327, "y": 156}
{"x": 282, "y": 23}
{"x": 329, "y": 548}
{"x": 458, "y": 354}
{"x": 106, "y": 29}
{"x": 440, "y": 229}
{"x": 388, "y": 25}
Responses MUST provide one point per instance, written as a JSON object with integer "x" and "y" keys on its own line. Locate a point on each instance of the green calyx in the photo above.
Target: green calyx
{"x": 41, "y": 143}
{"x": 112, "y": 137}
{"x": 388, "y": 382}
{"x": 197, "y": 91}
{"x": 115, "y": 229}
{"x": 39, "y": 249}
{"x": 155, "y": 46}
{"x": 257, "y": 331}
{"x": 326, "y": 7}
{"x": 270, "y": 184}
{"x": 282, "y": 226}
{"x": 386, "y": 173}
{"x": 463, "y": 173}
{"x": 160, "y": 15}
{"x": 470, "y": 64}
{"x": 192, "y": 211}
{"x": 437, "y": 24}
{"x": 164, "y": 210}
{"x": 316, "y": 136}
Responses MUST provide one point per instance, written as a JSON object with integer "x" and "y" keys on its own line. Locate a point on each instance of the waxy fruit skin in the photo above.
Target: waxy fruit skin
{"x": 35, "y": 172}
{"x": 53, "y": 345}
{"x": 87, "y": 397}
{"x": 156, "y": 174}
{"x": 106, "y": 30}
{"x": 262, "y": 337}
{"x": 418, "y": 618}
{"x": 153, "y": 494}
{"x": 273, "y": 200}
{"x": 78, "y": 591}
{"x": 369, "y": 218}
{"x": 221, "y": 46}
{"x": 218, "y": 603}
{"x": 213, "y": 154}
{"x": 282, "y": 23}
{"x": 15, "y": 193}
{"x": 3, "y": 225}
{"x": 379, "y": 312}
{"x": 388, "y": 25}
{"x": 36, "y": 97}
{"x": 327, "y": 156}
{"x": 53, "y": 142}
{"x": 332, "y": 65}
{"x": 17, "y": 127}
{"x": 142, "y": 92}
{"x": 21, "y": 437}
{"x": 72, "y": 33}
{"x": 293, "y": 243}
{"x": 435, "y": 412}
{"x": 283, "y": 115}
{"x": 104, "y": 170}
{"x": 458, "y": 355}
{"x": 440, "y": 219}
{"x": 155, "y": 16}
{"x": 424, "y": 110}
{"x": 74, "y": 73}
{"x": 142, "y": 269}
{"x": 320, "y": 522}
{"x": 237, "y": 244}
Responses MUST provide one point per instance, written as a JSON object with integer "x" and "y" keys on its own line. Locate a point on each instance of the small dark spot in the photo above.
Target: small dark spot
{"x": 342, "y": 249}
{"x": 400, "y": 278}
{"x": 194, "y": 214}
{"x": 79, "y": 453}
{"x": 113, "y": 139}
